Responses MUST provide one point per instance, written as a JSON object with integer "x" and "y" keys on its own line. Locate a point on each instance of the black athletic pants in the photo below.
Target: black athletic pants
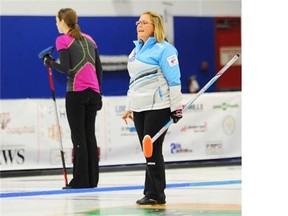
{"x": 81, "y": 108}
{"x": 150, "y": 122}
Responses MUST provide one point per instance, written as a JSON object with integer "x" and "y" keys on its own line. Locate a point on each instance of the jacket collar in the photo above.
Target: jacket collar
{"x": 139, "y": 44}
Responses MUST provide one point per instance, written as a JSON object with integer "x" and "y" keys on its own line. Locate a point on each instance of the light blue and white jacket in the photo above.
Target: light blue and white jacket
{"x": 154, "y": 77}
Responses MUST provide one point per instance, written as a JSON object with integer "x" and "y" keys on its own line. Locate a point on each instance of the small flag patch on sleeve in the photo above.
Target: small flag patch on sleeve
{"x": 172, "y": 60}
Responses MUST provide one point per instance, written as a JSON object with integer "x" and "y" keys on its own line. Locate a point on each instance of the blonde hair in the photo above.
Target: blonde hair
{"x": 71, "y": 19}
{"x": 159, "y": 30}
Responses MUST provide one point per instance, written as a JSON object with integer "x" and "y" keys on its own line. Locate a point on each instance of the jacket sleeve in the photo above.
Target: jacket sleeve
{"x": 99, "y": 70}
{"x": 63, "y": 65}
{"x": 170, "y": 67}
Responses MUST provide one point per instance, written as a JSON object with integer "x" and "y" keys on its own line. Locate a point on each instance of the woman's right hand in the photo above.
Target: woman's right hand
{"x": 127, "y": 114}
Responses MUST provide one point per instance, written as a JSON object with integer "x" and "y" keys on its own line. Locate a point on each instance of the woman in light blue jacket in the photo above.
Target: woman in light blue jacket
{"x": 154, "y": 96}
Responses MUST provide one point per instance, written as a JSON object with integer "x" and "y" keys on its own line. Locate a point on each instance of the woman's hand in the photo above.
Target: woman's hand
{"x": 127, "y": 114}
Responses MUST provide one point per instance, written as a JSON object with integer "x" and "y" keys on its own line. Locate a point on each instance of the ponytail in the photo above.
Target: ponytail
{"x": 75, "y": 32}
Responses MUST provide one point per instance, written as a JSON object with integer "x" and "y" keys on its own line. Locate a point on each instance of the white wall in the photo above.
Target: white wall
{"x": 122, "y": 7}
{"x": 30, "y": 139}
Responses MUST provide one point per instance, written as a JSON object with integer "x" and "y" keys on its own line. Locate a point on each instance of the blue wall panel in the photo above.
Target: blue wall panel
{"x": 194, "y": 39}
{"x": 23, "y": 37}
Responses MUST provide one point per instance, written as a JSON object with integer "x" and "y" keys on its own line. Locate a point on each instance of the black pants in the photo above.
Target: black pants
{"x": 150, "y": 122}
{"x": 81, "y": 108}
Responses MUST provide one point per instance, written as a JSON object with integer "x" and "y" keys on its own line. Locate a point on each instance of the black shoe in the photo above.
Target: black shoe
{"x": 148, "y": 201}
{"x": 67, "y": 187}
